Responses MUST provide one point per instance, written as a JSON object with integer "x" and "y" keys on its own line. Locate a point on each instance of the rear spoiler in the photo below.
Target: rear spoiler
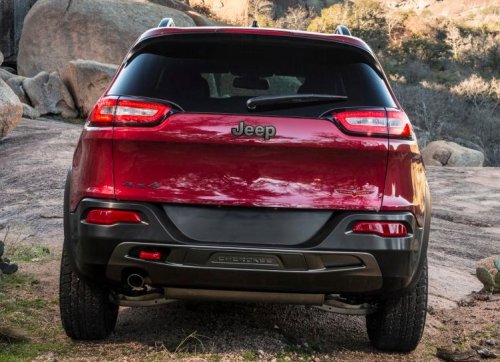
{"x": 169, "y": 23}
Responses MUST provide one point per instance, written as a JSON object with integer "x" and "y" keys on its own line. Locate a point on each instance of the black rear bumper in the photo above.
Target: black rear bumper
{"x": 334, "y": 261}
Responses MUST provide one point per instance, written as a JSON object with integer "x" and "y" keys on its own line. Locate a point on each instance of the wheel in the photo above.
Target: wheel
{"x": 399, "y": 321}
{"x": 86, "y": 310}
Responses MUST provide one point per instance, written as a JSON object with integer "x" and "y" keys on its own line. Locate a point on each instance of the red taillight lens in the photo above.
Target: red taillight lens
{"x": 139, "y": 112}
{"x": 381, "y": 228}
{"x": 399, "y": 124}
{"x": 380, "y": 123}
{"x": 111, "y": 216}
{"x": 149, "y": 255}
{"x": 365, "y": 122}
{"x": 125, "y": 112}
{"x": 103, "y": 112}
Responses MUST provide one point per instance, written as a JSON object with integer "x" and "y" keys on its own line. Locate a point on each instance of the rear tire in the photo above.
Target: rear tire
{"x": 86, "y": 310}
{"x": 399, "y": 321}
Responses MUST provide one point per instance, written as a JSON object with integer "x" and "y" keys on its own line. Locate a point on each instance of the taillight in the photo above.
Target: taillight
{"x": 126, "y": 112}
{"x": 399, "y": 124}
{"x": 381, "y": 228}
{"x": 392, "y": 123}
{"x": 112, "y": 216}
{"x": 103, "y": 112}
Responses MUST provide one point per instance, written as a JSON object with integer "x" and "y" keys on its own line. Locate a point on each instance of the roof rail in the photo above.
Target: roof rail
{"x": 255, "y": 24}
{"x": 166, "y": 23}
{"x": 342, "y": 30}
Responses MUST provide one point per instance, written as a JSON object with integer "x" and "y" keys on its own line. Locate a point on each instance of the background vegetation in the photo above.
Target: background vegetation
{"x": 444, "y": 69}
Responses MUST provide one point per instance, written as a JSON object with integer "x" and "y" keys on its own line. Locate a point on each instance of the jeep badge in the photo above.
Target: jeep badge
{"x": 266, "y": 132}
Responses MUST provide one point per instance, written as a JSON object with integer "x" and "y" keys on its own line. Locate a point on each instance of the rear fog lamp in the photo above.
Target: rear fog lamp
{"x": 149, "y": 255}
{"x": 112, "y": 216}
{"x": 381, "y": 228}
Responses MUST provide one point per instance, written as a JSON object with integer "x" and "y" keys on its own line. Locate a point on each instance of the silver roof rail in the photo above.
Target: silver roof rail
{"x": 342, "y": 30}
{"x": 166, "y": 23}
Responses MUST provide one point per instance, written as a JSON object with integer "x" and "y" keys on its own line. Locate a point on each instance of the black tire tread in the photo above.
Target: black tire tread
{"x": 86, "y": 310}
{"x": 399, "y": 321}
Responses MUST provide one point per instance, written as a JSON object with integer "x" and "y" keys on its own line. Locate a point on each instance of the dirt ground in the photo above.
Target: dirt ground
{"x": 466, "y": 210}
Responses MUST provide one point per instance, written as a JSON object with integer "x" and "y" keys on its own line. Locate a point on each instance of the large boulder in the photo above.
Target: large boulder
{"x": 174, "y": 4}
{"x": 11, "y": 109}
{"x": 6, "y": 75}
{"x": 488, "y": 273}
{"x": 201, "y": 20}
{"x": 16, "y": 84}
{"x": 58, "y": 31}
{"x": 443, "y": 153}
{"x": 87, "y": 80}
{"x": 231, "y": 11}
{"x": 30, "y": 112}
{"x": 48, "y": 94}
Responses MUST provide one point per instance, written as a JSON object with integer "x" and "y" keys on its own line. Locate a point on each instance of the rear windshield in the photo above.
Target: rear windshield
{"x": 218, "y": 74}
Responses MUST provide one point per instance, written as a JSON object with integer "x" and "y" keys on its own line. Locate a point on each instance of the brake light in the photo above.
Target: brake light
{"x": 125, "y": 112}
{"x": 393, "y": 123}
{"x": 112, "y": 216}
{"x": 381, "y": 228}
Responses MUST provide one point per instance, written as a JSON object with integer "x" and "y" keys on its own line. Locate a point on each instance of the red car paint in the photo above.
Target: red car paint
{"x": 193, "y": 158}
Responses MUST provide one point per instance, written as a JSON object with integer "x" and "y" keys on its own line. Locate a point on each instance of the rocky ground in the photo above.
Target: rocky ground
{"x": 34, "y": 159}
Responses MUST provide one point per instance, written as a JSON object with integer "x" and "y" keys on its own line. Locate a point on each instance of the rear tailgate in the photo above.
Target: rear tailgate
{"x": 304, "y": 167}
{"x": 194, "y": 158}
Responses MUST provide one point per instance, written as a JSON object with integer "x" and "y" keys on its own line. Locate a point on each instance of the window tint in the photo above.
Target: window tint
{"x": 217, "y": 75}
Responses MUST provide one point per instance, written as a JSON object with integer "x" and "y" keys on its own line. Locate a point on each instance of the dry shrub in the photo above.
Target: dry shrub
{"x": 479, "y": 92}
{"x": 418, "y": 25}
{"x": 295, "y": 18}
{"x": 476, "y": 48}
{"x": 445, "y": 114}
{"x": 415, "y": 71}
{"x": 264, "y": 12}
{"x": 365, "y": 19}
{"x": 424, "y": 107}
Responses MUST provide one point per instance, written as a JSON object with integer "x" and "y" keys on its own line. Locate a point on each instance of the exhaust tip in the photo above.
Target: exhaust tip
{"x": 135, "y": 281}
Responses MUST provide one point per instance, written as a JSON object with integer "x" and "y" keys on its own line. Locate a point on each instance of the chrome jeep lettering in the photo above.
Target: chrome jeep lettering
{"x": 266, "y": 132}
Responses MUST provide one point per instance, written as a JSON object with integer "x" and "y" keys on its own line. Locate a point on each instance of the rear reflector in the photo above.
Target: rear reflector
{"x": 111, "y": 216}
{"x": 393, "y": 123}
{"x": 125, "y": 112}
{"x": 381, "y": 228}
{"x": 149, "y": 255}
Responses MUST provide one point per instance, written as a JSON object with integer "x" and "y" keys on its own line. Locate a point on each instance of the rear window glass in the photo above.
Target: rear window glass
{"x": 219, "y": 74}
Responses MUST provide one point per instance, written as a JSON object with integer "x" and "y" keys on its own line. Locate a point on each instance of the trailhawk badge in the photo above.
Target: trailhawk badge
{"x": 266, "y": 132}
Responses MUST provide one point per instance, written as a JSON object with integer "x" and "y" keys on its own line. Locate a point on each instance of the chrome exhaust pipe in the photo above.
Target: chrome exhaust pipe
{"x": 135, "y": 281}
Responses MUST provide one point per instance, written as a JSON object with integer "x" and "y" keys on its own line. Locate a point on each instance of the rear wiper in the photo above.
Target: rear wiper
{"x": 292, "y": 100}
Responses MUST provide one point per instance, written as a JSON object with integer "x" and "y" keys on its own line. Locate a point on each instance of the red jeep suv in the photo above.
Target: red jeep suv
{"x": 248, "y": 164}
